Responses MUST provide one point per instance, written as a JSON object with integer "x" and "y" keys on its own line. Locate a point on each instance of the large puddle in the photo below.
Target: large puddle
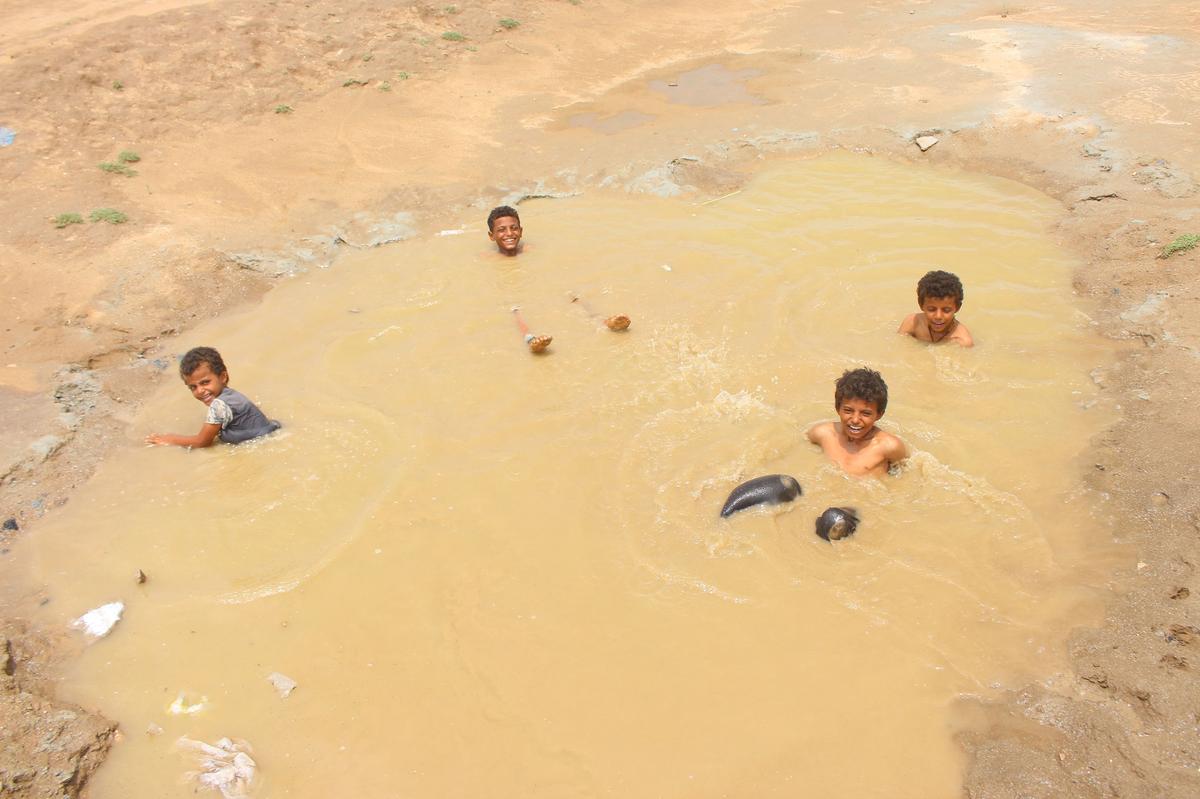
{"x": 494, "y": 574}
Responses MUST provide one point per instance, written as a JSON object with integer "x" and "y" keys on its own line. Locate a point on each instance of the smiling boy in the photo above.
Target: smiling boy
{"x": 854, "y": 442}
{"x": 939, "y": 296}
{"x": 504, "y": 228}
{"x": 231, "y": 416}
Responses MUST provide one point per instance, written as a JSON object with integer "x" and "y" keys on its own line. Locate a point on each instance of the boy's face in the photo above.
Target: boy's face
{"x": 939, "y": 312}
{"x": 506, "y": 232}
{"x": 204, "y": 384}
{"x": 858, "y": 417}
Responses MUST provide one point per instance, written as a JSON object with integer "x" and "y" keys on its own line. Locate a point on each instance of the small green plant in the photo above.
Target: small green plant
{"x": 424, "y": 41}
{"x": 385, "y": 87}
{"x": 451, "y": 9}
{"x": 354, "y": 82}
{"x": 575, "y": 2}
{"x": 62, "y": 220}
{"x": 402, "y": 75}
{"x": 283, "y": 109}
{"x": 508, "y": 24}
{"x": 116, "y": 169}
{"x": 117, "y": 85}
{"x": 110, "y": 215}
{"x": 368, "y": 56}
{"x": 454, "y": 36}
{"x": 128, "y": 157}
{"x": 1181, "y": 244}
{"x": 472, "y": 48}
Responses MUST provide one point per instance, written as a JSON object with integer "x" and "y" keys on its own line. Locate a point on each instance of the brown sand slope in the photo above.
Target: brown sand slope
{"x": 272, "y": 136}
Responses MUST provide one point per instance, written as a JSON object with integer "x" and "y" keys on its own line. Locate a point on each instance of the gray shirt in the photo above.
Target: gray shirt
{"x": 240, "y": 419}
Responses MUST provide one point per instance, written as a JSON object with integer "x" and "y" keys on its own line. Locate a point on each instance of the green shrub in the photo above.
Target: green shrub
{"x": 116, "y": 169}
{"x": 283, "y": 109}
{"x": 508, "y": 24}
{"x": 110, "y": 215}
{"x": 128, "y": 157}
{"x": 1181, "y": 244}
{"x": 454, "y": 36}
{"x": 62, "y": 220}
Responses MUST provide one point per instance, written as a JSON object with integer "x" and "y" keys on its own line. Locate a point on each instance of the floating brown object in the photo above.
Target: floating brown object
{"x": 536, "y": 343}
{"x": 615, "y": 323}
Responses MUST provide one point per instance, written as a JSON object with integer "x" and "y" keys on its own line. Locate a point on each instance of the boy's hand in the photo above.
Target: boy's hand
{"x": 156, "y": 438}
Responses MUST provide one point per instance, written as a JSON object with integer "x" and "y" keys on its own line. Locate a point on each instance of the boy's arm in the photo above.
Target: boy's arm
{"x": 205, "y": 438}
{"x": 909, "y": 325}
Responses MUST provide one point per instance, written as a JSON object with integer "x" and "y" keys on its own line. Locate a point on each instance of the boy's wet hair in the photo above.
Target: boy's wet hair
{"x": 502, "y": 210}
{"x": 939, "y": 284}
{"x": 864, "y": 384}
{"x": 193, "y": 358}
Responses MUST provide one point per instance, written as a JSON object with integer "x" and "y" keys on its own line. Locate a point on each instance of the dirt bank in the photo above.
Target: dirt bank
{"x": 271, "y": 137}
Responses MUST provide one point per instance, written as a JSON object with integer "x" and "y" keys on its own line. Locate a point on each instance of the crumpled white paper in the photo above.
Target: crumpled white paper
{"x": 99, "y": 621}
{"x": 225, "y": 766}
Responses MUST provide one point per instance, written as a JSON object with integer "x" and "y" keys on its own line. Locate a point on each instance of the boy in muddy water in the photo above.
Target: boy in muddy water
{"x": 505, "y": 231}
{"x": 939, "y": 296}
{"x": 854, "y": 442}
{"x": 231, "y": 416}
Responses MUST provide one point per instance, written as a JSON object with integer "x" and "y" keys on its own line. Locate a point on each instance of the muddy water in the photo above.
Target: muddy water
{"x": 494, "y": 574}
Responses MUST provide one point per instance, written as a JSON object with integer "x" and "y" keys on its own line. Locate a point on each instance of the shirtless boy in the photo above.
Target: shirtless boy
{"x": 854, "y": 442}
{"x": 939, "y": 296}
{"x": 504, "y": 228}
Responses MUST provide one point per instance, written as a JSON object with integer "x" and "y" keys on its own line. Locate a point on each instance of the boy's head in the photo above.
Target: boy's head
{"x": 504, "y": 228}
{"x": 860, "y": 398}
{"x": 940, "y": 296}
{"x": 204, "y": 373}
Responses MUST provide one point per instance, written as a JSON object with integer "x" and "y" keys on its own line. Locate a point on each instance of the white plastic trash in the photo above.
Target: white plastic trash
{"x": 225, "y": 766}
{"x": 98, "y": 622}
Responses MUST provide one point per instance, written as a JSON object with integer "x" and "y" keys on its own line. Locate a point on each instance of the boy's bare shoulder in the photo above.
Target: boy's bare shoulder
{"x": 909, "y": 324}
{"x": 962, "y": 336}
{"x": 820, "y": 431}
{"x": 892, "y": 446}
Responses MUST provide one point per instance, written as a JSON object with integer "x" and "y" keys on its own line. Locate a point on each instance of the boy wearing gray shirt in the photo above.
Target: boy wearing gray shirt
{"x": 231, "y": 416}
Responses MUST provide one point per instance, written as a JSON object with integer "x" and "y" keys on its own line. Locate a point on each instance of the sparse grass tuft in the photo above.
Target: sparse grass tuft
{"x": 1182, "y": 244}
{"x": 451, "y": 9}
{"x": 454, "y": 36}
{"x": 368, "y": 56}
{"x": 62, "y": 220}
{"x": 110, "y": 215}
{"x": 283, "y": 109}
{"x": 402, "y": 75}
{"x": 354, "y": 82}
{"x": 508, "y": 24}
{"x": 385, "y": 87}
{"x": 117, "y": 169}
{"x": 117, "y": 85}
{"x": 128, "y": 157}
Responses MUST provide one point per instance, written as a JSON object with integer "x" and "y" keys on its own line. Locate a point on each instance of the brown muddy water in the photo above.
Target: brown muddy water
{"x": 495, "y": 574}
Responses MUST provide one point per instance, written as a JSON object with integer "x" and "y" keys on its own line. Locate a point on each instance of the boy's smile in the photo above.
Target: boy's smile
{"x": 506, "y": 232}
{"x": 204, "y": 384}
{"x": 939, "y": 313}
{"x": 858, "y": 418}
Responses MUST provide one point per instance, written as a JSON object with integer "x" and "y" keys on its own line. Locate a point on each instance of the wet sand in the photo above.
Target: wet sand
{"x": 1093, "y": 104}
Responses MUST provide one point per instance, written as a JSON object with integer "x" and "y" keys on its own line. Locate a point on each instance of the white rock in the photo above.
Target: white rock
{"x": 925, "y": 142}
{"x": 99, "y": 621}
{"x": 283, "y": 683}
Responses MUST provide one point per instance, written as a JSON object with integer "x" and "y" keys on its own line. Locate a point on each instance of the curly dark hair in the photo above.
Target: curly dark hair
{"x": 193, "y": 358}
{"x": 939, "y": 284}
{"x": 864, "y": 384}
{"x": 499, "y": 211}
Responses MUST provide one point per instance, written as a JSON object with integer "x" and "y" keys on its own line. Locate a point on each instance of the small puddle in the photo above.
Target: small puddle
{"x": 612, "y": 123}
{"x": 709, "y": 86}
{"x": 493, "y": 574}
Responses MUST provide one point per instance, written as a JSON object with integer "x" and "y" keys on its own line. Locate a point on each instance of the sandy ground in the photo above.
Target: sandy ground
{"x": 274, "y": 136}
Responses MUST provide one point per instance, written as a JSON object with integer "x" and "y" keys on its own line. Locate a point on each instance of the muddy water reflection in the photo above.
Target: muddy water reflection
{"x": 499, "y": 575}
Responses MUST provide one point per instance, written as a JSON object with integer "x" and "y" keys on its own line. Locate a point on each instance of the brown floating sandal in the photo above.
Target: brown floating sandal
{"x": 537, "y": 343}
